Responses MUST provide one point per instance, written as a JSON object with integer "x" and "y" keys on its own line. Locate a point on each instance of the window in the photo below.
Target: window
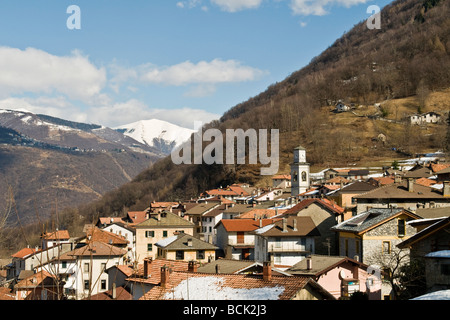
{"x": 357, "y": 244}
{"x": 200, "y": 254}
{"x": 401, "y": 229}
{"x": 277, "y": 258}
{"x": 64, "y": 265}
{"x": 240, "y": 237}
{"x": 445, "y": 269}
{"x": 149, "y": 234}
{"x": 386, "y": 247}
{"x": 86, "y": 267}
{"x": 303, "y": 176}
{"x": 149, "y": 246}
{"x": 277, "y": 242}
{"x": 103, "y": 285}
{"x": 179, "y": 255}
{"x": 346, "y": 247}
{"x": 164, "y": 233}
{"x": 294, "y": 176}
{"x": 87, "y": 285}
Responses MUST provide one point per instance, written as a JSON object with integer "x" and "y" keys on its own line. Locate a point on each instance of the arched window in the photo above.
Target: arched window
{"x": 303, "y": 176}
{"x": 295, "y": 176}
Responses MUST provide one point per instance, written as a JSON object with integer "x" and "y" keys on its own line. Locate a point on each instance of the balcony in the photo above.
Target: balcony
{"x": 278, "y": 248}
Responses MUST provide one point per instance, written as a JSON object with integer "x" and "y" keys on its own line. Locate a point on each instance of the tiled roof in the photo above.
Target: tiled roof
{"x": 23, "y": 253}
{"x": 439, "y": 225}
{"x": 137, "y": 216}
{"x": 425, "y": 182}
{"x": 201, "y": 286}
{"x": 216, "y": 211}
{"x": 121, "y": 294}
{"x": 305, "y": 228}
{"x": 203, "y": 207}
{"x": 97, "y": 234}
{"x": 244, "y": 225}
{"x": 436, "y": 167}
{"x": 95, "y": 248}
{"x": 6, "y": 294}
{"x": 367, "y": 220}
{"x": 282, "y": 177}
{"x": 57, "y": 235}
{"x": 324, "y": 203}
{"x": 34, "y": 280}
{"x": 356, "y": 187}
{"x": 261, "y": 213}
{"x": 111, "y": 220}
{"x": 155, "y": 270}
{"x": 166, "y": 219}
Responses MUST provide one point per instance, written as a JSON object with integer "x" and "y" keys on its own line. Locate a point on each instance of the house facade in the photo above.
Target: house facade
{"x": 286, "y": 241}
{"x": 158, "y": 227}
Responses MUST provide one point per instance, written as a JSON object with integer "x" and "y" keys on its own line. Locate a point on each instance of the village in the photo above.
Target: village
{"x": 338, "y": 234}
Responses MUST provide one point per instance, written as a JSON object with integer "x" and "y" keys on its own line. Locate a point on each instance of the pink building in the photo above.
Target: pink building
{"x": 341, "y": 276}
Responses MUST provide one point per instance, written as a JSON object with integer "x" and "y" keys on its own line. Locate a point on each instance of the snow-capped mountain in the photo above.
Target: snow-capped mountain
{"x": 159, "y": 134}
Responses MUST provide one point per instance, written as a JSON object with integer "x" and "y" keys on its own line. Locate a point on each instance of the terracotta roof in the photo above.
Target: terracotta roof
{"x": 324, "y": 203}
{"x": 6, "y": 294}
{"x": 34, "y": 280}
{"x": 425, "y": 182}
{"x": 163, "y": 204}
{"x": 137, "y": 216}
{"x": 381, "y": 181}
{"x": 111, "y": 220}
{"x": 436, "y": 167}
{"x": 155, "y": 270}
{"x": 57, "y": 235}
{"x": 96, "y": 234}
{"x": 121, "y": 294}
{"x": 201, "y": 286}
{"x": 282, "y": 177}
{"x": 337, "y": 179}
{"x": 239, "y": 190}
{"x": 305, "y": 228}
{"x": 23, "y": 253}
{"x": 244, "y": 225}
{"x": 261, "y": 213}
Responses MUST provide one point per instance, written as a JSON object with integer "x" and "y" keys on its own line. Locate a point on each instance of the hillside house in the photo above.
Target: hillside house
{"x": 286, "y": 241}
{"x": 210, "y": 220}
{"x": 125, "y": 232}
{"x": 195, "y": 214}
{"x": 325, "y": 214}
{"x": 425, "y": 118}
{"x": 176, "y": 285}
{"x": 84, "y": 268}
{"x": 51, "y": 239}
{"x": 344, "y": 197}
{"x": 341, "y": 276}
{"x": 39, "y": 286}
{"x": 404, "y": 194}
{"x": 282, "y": 181}
{"x": 235, "y": 237}
{"x": 232, "y": 266}
{"x": 158, "y": 227}
{"x": 186, "y": 247}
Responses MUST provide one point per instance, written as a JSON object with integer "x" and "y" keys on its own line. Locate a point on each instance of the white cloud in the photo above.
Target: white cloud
{"x": 319, "y": 7}
{"x": 215, "y": 71}
{"x": 237, "y": 5}
{"x": 133, "y": 110}
{"x": 36, "y": 71}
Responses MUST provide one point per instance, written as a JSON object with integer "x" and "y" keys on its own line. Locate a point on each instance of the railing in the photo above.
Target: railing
{"x": 287, "y": 248}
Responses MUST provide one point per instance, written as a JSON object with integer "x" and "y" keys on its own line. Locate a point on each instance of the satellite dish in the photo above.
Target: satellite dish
{"x": 342, "y": 274}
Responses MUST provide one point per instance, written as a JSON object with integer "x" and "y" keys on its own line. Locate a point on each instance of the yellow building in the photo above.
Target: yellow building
{"x": 157, "y": 227}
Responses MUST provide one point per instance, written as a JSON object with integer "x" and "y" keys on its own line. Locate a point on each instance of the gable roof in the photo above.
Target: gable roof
{"x": 40, "y": 278}
{"x": 305, "y": 228}
{"x": 180, "y": 242}
{"x": 321, "y": 264}
{"x": 261, "y": 213}
{"x": 166, "y": 219}
{"x": 121, "y": 294}
{"x": 370, "y": 219}
{"x": 155, "y": 266}
{"x": 57, "y": 235}
{"x": 96, "y": 234}
{"x": 201, "y": 208}
{"x": 200, "y": 286}
{"x": 243, "y": 225}
{"x": 94, "y": 248}
{"x": 356, "y": 187}
{"x": 137, "y": 216}
{"x": 425, "y": 233}
{"x": 399, "y": 190}
{"x": 324, "y": 203}
{"x": 232, "y": 266}
{"x": 23, "y": 253}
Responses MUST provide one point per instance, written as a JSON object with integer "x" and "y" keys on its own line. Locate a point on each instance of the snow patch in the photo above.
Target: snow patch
{"x": 214, "y": 288}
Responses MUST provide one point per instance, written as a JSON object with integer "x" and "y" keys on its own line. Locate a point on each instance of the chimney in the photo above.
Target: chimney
{"x": 446, "y": 188}
{"x": 260, "y": 223}
{"x": 114, "y": 293}
{"x": 411, "y": 185}
{"x": 159, "y": 216}
{"x": 308, "y": 263}
{"x": 267, "y": 271}
{"x": 284, "y": 225}
{"x": 295, "y": 224}
{"x": 217, "y": 269}
{"x": 165, "y": 272}
{"x": 397, "y": 178}
{"x": 192, "y": 266}
{"x": 147, "y": 267}
{"x": 189, "y": 242}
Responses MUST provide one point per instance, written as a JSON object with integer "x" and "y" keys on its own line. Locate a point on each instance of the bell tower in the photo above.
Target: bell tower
{"x": 299, "y": 172}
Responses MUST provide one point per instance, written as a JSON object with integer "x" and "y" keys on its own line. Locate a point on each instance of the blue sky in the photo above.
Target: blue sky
{"x": 179, "y": 61}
